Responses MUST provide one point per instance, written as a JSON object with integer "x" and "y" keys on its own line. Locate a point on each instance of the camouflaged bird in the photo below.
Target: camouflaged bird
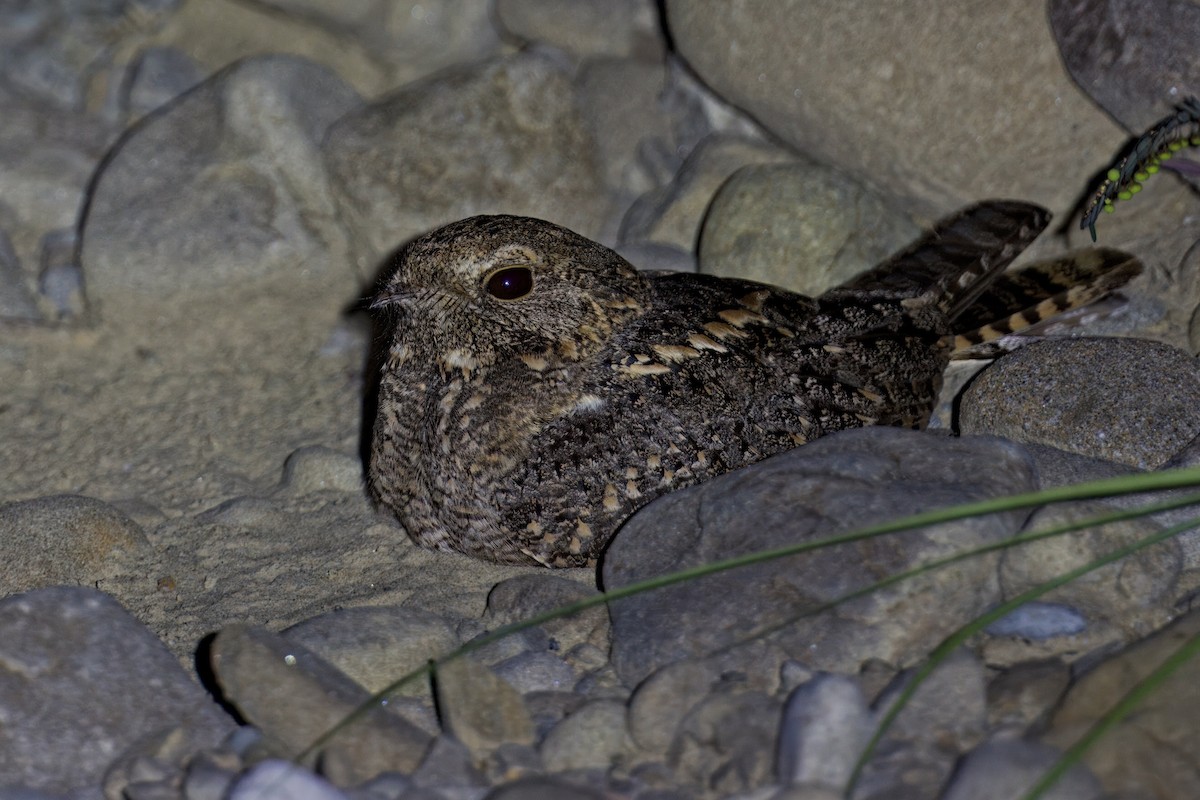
{"x": 537, "y": 388}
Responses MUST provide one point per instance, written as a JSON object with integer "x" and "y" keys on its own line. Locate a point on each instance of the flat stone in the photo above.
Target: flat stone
{"x": 295, "y": 697}
{"x": 479, "y": 709}
{"x": 83, "y": 682}
{"x": 838, "y": 483}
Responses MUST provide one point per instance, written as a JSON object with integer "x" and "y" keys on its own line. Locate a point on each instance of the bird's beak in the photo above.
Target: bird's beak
{"x": 385, "y": 299}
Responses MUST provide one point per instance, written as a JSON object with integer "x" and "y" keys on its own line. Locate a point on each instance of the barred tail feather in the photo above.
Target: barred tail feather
{"x": 949, "y": 267}
{"x": 1041, "y": 298}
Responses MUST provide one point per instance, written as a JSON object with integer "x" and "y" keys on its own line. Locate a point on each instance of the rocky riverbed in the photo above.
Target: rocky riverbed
{"x": 196, "y": 196}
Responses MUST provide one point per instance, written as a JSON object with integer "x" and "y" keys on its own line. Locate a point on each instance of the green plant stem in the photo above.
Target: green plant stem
{"x": 1110, "y": 487}
{"x": 1023, "y": 538}
{"x": 956, "y": 639}
{"x": 1124, "y": 706}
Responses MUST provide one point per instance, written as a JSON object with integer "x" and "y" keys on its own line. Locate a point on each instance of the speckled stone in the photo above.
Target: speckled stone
{"x": 64, "y": 539}
{"x": 1132, "y": 401}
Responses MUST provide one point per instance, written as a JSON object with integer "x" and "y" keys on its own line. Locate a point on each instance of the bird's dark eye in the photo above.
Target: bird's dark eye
{"x": 510, "y": 283}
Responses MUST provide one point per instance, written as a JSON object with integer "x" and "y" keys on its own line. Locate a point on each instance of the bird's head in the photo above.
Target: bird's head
{"x": 493, "y": 286}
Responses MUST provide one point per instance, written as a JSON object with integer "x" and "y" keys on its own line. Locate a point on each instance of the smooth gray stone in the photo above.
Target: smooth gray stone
{"x": 836, "y": 484}
{"x": 826, "y": 724}
{"x": 245, "y": 143}
{"x": 84, "y": 682}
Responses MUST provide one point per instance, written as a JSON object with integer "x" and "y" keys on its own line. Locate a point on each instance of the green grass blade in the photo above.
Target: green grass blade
{"x": 956, "y": 639}
{"x": 1023, "y": 538}
{"x": 1122, "y": 709}
{"x": 1109, "y": 487}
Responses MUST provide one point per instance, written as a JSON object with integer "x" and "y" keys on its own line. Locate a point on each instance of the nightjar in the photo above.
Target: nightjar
{"x": 537, "y": 388}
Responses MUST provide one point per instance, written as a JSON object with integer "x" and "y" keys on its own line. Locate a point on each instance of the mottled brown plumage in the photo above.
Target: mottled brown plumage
{"x": 537, "y": 389}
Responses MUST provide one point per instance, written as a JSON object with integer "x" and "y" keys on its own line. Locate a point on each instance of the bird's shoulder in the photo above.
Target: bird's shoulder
{"x": 689, "y": 317}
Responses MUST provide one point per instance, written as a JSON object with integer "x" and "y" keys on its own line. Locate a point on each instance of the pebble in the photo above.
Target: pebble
{"x": 1139, "y": 590}
{"x": 665, "y": 698}
{"x": 674, "y": 214}
{"x": 1022, "y": 695}
{"x": 281, "y": 780}
{"x": 726, "y": 742}
{"x": 208, "y": 779}
{"x": 525, "y": 596}
{"x": 1039, "y": 621}
{"x": 535, "y": 672}
{"x": 479, "y": 709}
{"x": 1004, "y": 769}
{"x": 542, "y": 788}
{"x": 377, "y": 645}
{"x": 64, "y": 539}
{"x": 825, "y": 723}
{"x": 295, "y": 697}
{"x": 592, "y": 736}
{"x": 448, "y": 764}
{"x": 948, "y": 708}
{"x": 316, "y": 468}
{"x": 1131, "y": 401}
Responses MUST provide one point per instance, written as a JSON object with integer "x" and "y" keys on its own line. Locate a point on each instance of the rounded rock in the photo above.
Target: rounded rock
{"x": 1133, "y": 401}
{"x": 801, "y": 226}
{"x": 591, "y": 737}
{"x": 63, "y": 539}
